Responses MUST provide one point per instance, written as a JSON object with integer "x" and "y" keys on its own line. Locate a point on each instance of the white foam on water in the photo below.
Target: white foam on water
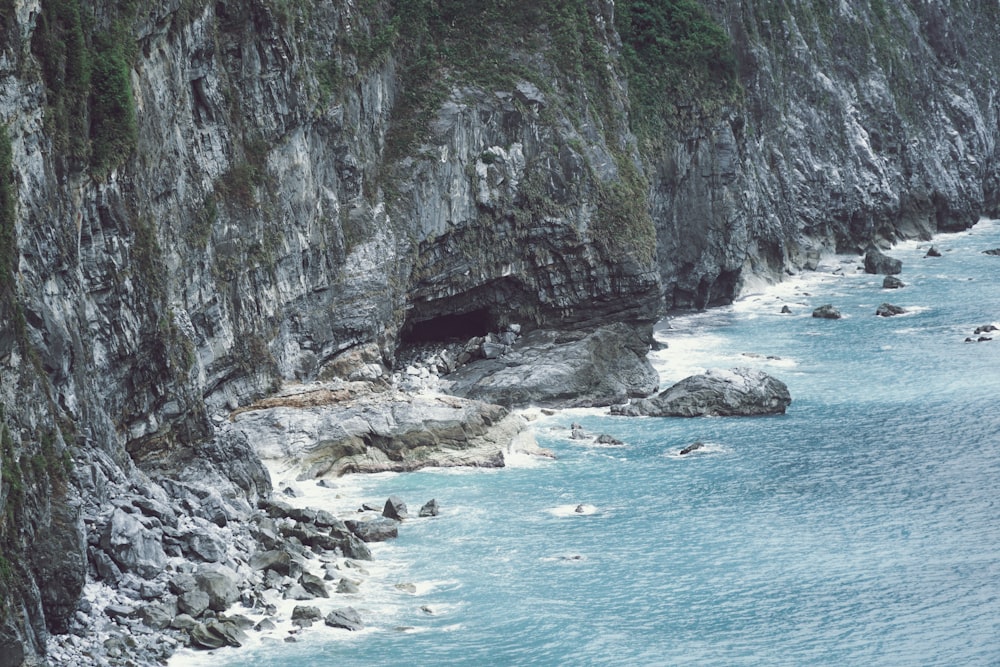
{"x": 574, "y": 509}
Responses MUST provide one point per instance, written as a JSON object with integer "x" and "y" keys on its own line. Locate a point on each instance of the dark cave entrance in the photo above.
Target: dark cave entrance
{"x": 449, "y": 328}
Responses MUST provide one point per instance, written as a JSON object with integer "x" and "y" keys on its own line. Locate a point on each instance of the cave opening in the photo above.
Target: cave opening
{"x": 449, "y": 328}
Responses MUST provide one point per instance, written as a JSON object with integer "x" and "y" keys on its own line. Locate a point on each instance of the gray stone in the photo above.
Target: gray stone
{"x": 394, "y": 509}
{"x": 892, "y": 282}
{"x": 193, "y": 603}
{"x": 430, "y": 508}
{"x": 735, "y": 392}
{"x": 374, "y": 530}
{"x": 278, "y": 560}
{"x": 346, "y": 618}
{"x": 301, "y": 611}
{"x": 132, "y": 546}
{"x": 879, "y": 263}
{"x": 888, "y": 310}
{"x": 314, "y": 585}
{"x": 826, "y": 312}
{"x": 220, "y": 584}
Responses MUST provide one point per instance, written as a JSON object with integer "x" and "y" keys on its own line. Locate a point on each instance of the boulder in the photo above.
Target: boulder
{"x": 193, "y": 603}
{"x": 394, "y": 509}
{"x": 306, "y": 612}
{"x": 276, "y": 559}
{"x": 132, "y": 546}
{"x": 878, "y": 263}
{"x": 892, "y": 282}
{"x": 986, "y": 328}
{"x": 219, "y": 583}
{"x": 297, "y": 592}
{"x": 739, "y": 391}
{"x": 576, "y": 432}
{"x": 430, "y": 508}
{"x": 204, "y": 544}
{"x": 346, "y": 618}
{"x": 888, "y": 310}
{"x": 826, "y": 312}
{"x": 374, "y": 530}
{"x": 605, "y": 439}
{"x": 215, "y": 634}
{"x": 314, "y": 585}
{"x": 933, "y": 252}
{"x": 993, "y": 251}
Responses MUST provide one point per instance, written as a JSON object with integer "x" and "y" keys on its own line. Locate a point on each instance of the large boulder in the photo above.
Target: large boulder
{"x": 395, "y": 508}
{"x": 220, "y": 584}
{"x": 374, "y": 530}
{"x": 564, "y": 369}
{"x": 880, "y": 263}
{"x": 132, "y": 546}
{"x": 892, "y": 282}
{"x": 827, "y": 312}
{"x": 739, "y": 391}
{"x": 346, "y": 618}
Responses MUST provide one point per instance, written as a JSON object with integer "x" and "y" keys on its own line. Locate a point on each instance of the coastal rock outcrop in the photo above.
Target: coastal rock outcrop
{"x": 563, "y": 369}
{"x": 719, "y": 393}
{"x": 335, "y": 428}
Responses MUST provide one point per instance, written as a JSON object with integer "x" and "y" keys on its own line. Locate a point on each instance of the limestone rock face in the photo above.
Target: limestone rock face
{"x": 716, "y": 393}
{"x": 293, "y": 202}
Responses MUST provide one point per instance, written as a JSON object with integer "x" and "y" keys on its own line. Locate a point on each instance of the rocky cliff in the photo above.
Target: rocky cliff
{"x": 200, "y": 201}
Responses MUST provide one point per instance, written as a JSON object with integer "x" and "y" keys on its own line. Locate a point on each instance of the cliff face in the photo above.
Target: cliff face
{"x": 206, "y": 200}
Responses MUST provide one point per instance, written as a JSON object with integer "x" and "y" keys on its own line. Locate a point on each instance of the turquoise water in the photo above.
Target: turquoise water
{"x": 862, "y": 528}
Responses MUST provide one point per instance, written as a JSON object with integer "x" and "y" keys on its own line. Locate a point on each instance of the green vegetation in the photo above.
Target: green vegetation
{"x": 90, "y": 108}
{"x": 675, "y": 53}
{"x": 113, "y": 130}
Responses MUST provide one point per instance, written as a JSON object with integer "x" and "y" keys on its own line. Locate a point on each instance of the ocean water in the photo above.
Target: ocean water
{"x": 861, "y": 528}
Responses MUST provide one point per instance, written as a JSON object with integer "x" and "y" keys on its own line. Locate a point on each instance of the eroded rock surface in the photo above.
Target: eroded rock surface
{"x": 716, "y": 393}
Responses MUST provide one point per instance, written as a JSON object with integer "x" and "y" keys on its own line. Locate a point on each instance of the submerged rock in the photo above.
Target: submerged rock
{"x": 879, "y": 263}
{"x": 739, "y": 391}
{"x": 892, "y": 282}
{"x": 888, "y": 310}
{"x": 691, "y": 448}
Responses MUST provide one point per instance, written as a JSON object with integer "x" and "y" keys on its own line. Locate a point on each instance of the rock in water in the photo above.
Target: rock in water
{"x": 993, "y": 251}
{"x": 739, "y": 391}
{"x": 346, "y": 618}
{"x": 394, "y": 509}
{"x": 430, "y": 508}
{"x": 691, "y": 448}
{"x": 892, "y": 282}
{"x": 827, "y": 312}
{"x": 785, "y": 310}
{"x": 933, "y": 252}
{"x": 376, "y": 530}
{"x": 888, "y": 310}
{"x": 879, "y": 263}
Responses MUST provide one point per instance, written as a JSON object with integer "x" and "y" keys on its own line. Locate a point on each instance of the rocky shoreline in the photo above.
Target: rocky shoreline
{"x": 212, "y": 557}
